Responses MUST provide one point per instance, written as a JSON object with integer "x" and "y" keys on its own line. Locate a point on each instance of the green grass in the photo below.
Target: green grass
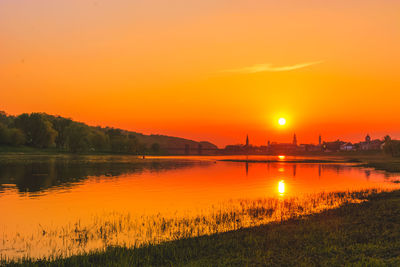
{"x": 365, "y": 234}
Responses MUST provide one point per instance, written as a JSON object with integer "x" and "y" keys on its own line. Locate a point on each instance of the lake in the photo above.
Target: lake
{"x": 63, "y": 205}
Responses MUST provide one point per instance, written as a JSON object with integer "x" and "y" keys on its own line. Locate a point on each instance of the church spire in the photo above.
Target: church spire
{"x": 247, "y": 140}
{"x": 294, "y": 140}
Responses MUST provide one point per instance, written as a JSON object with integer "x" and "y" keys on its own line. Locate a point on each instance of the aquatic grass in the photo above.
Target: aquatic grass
{"x": 388, "y": 166}
{"x": 131, "y": 231}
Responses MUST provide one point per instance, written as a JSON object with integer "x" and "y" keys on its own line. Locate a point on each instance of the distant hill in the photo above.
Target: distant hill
{"x": 172, "y": 142}
{"x": 175, "y": 145}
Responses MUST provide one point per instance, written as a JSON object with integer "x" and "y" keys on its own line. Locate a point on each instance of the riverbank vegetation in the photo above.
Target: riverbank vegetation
{"x": 40, "y": 132}
{"x": 129, "y": 230}
{"x": 365, "y": 233}
{"x": 381, "y": 162}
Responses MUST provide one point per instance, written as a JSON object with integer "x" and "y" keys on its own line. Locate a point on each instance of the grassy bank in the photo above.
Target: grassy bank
{"x": 383, "y": 163}
{"x": 378, "y": 161}
{"x": 355, "y": 234}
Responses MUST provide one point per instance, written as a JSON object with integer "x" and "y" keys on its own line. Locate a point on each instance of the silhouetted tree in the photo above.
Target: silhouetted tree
{"x": 121, "y": 141}
{"x": 37, "y": 128}
{"x": 132, "y": 144}
{"x": 60, "y": 124}
{"x": 4, "y": 135}
{"x": 155, "y": 147}
{"x": 99, "y": 140}
{"x": 112, "y": 133}
{"x": 11, "y": 136}
{"x": 17, "y": 137}
{"x": 42, "y": 130}
{"x": 391, "y": 147}
{"x": 5, "y": 119}
{"x": 142, "y": 148}
{"x": 78, "y": 137}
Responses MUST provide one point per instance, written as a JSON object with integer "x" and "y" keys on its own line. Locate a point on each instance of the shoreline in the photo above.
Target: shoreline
{"x": 378, "y": 162}
{"x": 366, "y": 232}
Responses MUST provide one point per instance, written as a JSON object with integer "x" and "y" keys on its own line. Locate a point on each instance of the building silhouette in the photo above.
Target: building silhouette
{"x": 370, "y": 144}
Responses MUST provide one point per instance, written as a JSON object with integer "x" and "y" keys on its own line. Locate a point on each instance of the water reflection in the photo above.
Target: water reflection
{"x": 34, "y": 175}
{"x": 281, "y": 187}
{"x": 367, "y": 174}
{"x": 137, "y": 197}
{"x": 285, "y": 167}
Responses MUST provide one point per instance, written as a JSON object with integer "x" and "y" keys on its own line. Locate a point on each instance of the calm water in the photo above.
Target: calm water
{"x": 46, "y": 201}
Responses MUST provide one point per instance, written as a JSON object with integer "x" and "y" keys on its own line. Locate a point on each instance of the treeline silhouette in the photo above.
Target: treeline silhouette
{"x": 40, "y": 130}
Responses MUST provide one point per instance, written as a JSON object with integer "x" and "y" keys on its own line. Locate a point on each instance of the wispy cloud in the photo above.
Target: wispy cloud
{"x": 270, "y": 68}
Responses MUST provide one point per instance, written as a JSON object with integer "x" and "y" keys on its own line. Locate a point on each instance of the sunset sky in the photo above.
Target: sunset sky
{"x": 211, "y": 70}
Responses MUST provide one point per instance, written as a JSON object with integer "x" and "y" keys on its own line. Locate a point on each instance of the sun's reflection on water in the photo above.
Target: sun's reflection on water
{"x": 281, "y": 187}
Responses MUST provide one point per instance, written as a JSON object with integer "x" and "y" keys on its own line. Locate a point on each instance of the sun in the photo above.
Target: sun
{"x": 282, "y": 121}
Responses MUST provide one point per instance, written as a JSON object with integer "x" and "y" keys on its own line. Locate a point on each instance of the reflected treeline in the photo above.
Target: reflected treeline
{"x": 338, "y": 168}
{"x": 320, "y": 168}
{"x": 39, "y": 175}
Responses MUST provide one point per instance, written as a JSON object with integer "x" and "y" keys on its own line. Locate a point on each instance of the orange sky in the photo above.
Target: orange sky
{"x": 207, "y": 70}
